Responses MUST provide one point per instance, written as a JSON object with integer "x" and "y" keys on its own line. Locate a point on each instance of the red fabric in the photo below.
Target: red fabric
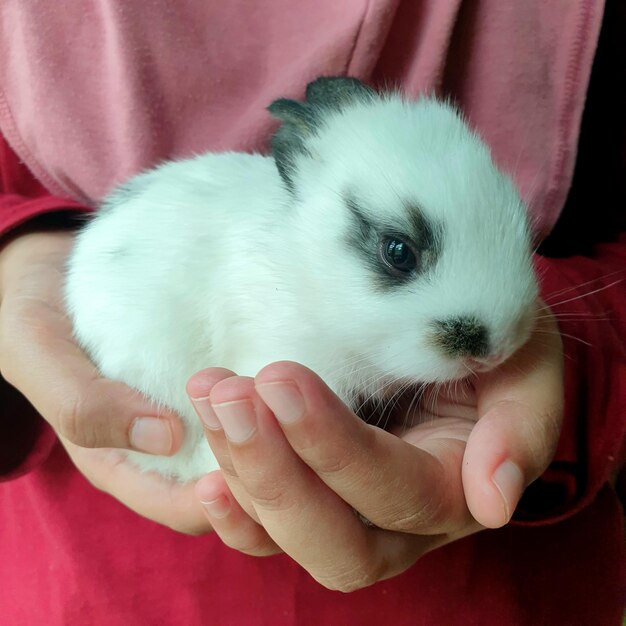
{"x": 22, "y": 197}
{"x": 72, "y": 556}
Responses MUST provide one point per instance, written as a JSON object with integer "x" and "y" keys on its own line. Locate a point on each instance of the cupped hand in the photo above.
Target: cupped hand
{"x": 38, "y": 356}
{"x": 297, "y": 465}
{"x": 89, "y": 413}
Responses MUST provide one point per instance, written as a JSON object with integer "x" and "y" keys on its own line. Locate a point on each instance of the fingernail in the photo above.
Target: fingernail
{"x": 218, "y": 508}
{"x": 284, "y": 399}
{"x": 151, "y": 434}
{"x": 237, "y": 418}
{"x": 206, "y": 413}
{"x": 509, "y": 480}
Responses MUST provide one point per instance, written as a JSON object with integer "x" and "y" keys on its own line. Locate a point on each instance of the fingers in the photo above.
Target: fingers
{"x": 303, "y": 517}
{"x": 198, "y": 388}
{"x": 294, "y": 506}
{"x": 397, "y": 485}
{"x": 521, "y": 409}
{"x": 39, "y": 357}
{"x": 228, "y": 519}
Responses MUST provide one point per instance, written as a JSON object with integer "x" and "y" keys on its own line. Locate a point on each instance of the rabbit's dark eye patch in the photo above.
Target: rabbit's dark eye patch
{"x": 393, "y": 252}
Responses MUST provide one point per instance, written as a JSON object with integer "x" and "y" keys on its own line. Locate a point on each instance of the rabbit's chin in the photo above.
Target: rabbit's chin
{"x": 442, "y": 373}
{"x": 389, "y": 386}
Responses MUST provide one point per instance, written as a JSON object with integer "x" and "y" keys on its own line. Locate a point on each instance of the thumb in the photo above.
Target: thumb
{"x": 39, "y": 358}
{"x": 520, "y": 414}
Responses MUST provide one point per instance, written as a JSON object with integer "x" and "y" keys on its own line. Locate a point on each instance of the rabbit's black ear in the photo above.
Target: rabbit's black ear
{"x": 302, "y": 119}
{"x": 335, "y": 92}
{"x": 298, "y": 122}
{"x": 293, "y": 112}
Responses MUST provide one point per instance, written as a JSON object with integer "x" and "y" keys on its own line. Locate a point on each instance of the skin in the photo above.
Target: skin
{"x": 293, "y": 458}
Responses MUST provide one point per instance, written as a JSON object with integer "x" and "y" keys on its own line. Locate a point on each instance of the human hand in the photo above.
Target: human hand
{"x": 39, "y": 357}
{"x": 296, "y": 463}
{"x": 89, "y": 413}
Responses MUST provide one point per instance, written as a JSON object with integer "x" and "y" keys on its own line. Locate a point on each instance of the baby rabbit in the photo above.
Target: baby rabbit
{"x": 379, "y": 243}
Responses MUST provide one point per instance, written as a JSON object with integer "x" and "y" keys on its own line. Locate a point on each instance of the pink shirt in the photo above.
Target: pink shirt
{"x": 97, "y": 91}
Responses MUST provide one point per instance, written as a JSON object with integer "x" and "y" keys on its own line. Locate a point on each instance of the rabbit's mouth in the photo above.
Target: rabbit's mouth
{"x": 485, "y": 364}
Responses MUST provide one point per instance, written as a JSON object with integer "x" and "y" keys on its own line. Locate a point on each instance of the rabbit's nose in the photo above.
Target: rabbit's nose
{"x": 462, "y": 336}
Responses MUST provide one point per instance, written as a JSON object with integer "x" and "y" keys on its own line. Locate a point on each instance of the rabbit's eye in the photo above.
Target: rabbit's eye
{"x": 397, "y": 255}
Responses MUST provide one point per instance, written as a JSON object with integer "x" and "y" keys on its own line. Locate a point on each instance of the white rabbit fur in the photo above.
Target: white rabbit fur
{"x": 220, "y": 260}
